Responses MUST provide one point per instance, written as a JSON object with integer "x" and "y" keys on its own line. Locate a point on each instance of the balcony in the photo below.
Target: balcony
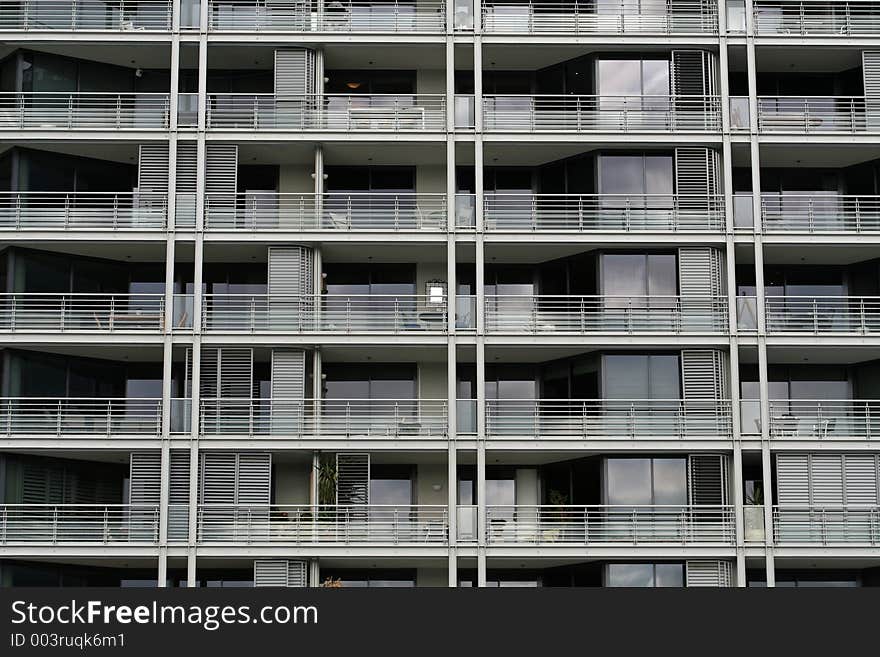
{"x": 328, "y": 112}
{"x": 816, "y": 18}
{"x": 72, "y": 211}
{"x": 83, "y": 111}
{"x": 595, "y": 213}
{"x": 601, "y": 114}
{"x": 355, "y": 524}
{"x": 333, "y": 212}
{"x": 84, "y": 312}
{"x": 545, "y": 525}
{"x": 86, "y": 15}
{"x": 856, "y": 525}
{"x": 393, "y": 17}
{"x": 820, "y": 419}
{"x": 79, "y": 524}
{"x": 347, "y": 418}
{"x": 44, "y": 416}
{"x": 807, "y": 115}
{"x": 584, "y": 315}
{"x": 823, "y": 315}
{"x": 820, "y": 213}
{"x": 619, "y": 17}
{"x": 327, "y": 313}
{"x": 608, "y": 419}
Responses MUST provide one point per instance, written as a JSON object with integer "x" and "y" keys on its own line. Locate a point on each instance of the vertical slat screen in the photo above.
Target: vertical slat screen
{"x": 288, "y": 390}
{"x": 708, "y": 574}
{"x": 707, "y": 479}
{"x": 353, "y": 478}
{"x": 280, "y": 573}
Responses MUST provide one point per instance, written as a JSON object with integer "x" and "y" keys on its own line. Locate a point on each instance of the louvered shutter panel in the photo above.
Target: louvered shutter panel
{"x": 826, "y": 480}
{"x": 236, "y": 478}
{"x": 253, "y": 484}
{"x": 291, "y": 287}
{"x": 152, "y": 178}
{"x": 693, "y": 73}
{"x": 280, "y": 573}
{"x": 861, "y": 480}
{"x": 217, "y": 478}
{"x": 703, "y": 374}
{"x": 226, "y": 373}
{"x": 288, "y": 390}
{"x": 707, "y": 479}
{"x": 295, "y": 84}
{"x": 221, "y": 183}
{"x": 871, "y": 73}
{"x": 178, "y": 495}
{"x": 792, "y": 480}
{"x": 352, "y": 478}
{"x": 697, "y": 173}
{"x": 185, "y": 184}
{"x": 700, "y": 283}
{"x": 708, "y": 574}
{"x": 145, "y": 477}
{"x": 41, "y": 483}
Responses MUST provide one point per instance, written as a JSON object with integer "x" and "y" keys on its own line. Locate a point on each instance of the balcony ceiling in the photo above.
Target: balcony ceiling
{"x": 798, "y": 59}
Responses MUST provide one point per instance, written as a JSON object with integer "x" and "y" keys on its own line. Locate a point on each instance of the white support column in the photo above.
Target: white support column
{"x": 452, "y": 460}
{"x": 481, "y": 462}
{"x": 194, "y": 462}
{"x": 318, "y": 175}
{"x": 317, "y": 389}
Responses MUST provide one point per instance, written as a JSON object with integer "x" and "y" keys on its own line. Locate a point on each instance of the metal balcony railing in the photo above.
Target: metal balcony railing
{"x": 827, "y": 525}
{"x": 330, "y": 313}
{"x": 86, "y": 15}
{"x": 585, "y": 419}
{"x": 816, "y": 18}
{"x": 584, "y": 114}
{"x": 335, "y": 212}
{"x": 605, "y": 314}
{"x": 594, "y": 525}
{"x": 328, "y": 112}
{"x": 83, "y": 524}
{"x": 822, "y": 315}
{"x": 602, "y": 212}
{"x": 353, "y": 524}
{"x": 817, "y": 115}
{"x": 844, "y": 419}
{"x": 352, "y": 418}
{"x": 83, "y": 211}
{"x": 615, "y": 17}
{"x": 391, "y": 16}
{"x": 820, "y": 213}
{"x": 44, "y": 416}
{"x": 85, "y": 312}
{"x": 83, "y": 111}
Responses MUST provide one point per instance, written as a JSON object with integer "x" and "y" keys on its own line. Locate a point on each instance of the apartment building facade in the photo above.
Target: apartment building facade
{"x": 433, "y": 293}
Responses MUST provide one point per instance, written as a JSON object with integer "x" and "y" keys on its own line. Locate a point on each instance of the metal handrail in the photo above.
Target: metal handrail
{"x": 388, "y": 16}
{"x": 585, "y": 419}
{"x": 84, "y": 111}
{"x": 822, "y": 314}
{"x": 605, "y": 314}
{"x": 605, "y": 113}
{"x": 60, "y": 417}
{"x": 816, "y": 18}
{"x": 86, "y": 15}
{"x": 336, "y": 212}
{"x": 83, "y": 210}
{"x": 328, "y": 112}
{"x": 331, "y": 313}
{"x": 831, "y": 524}
{"x": 816, "y": 114}
{"x": 815, "y": 419}
{"x": 622, "y": 17}
{"x": 543, "y": 524}
{"x": 527, "y": 211}
{"x": 820, "y": 213}
{"x": 77, "y": 312}
{"x": 84, "y": 524}
{"x": 332, "y": 524}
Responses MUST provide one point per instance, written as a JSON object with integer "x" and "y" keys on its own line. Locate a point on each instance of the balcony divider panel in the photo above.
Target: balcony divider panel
{"x": 708, "y": 573}
{"x": 280, "y": 573}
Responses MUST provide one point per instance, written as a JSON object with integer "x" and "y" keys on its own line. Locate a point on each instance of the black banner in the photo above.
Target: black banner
{"x": 250, "y": 622}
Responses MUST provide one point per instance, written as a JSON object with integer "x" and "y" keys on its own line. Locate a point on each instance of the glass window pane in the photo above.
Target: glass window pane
{"x": 662, "y": 275}
{"x": 664, "y": 375}
{"x": 621, "y": 174}
{"x": 625, "y": 377}
{"x": 390, "y": 491}
{"x": 669, "y": 575}
{"x": 670, "y": 481}
{"x": 655, "y": 77}
{"x": 620, "y": 77}
{"x": 628, "y": 481}
{"x": 658, "y": 174}
{"x": 630, "y": 575}
{"x": 624, "y": 275}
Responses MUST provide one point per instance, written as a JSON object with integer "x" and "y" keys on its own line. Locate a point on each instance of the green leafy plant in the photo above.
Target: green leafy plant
{"x": 755, "y": 497}
{"x": 327, "y": 479}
